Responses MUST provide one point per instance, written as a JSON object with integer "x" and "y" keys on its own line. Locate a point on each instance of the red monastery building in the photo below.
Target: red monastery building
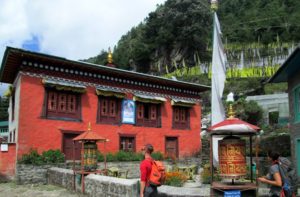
{"x": 53, "y": 99}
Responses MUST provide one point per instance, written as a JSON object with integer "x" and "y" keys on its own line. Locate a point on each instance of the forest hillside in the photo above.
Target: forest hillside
{"x": 178, "y": 34}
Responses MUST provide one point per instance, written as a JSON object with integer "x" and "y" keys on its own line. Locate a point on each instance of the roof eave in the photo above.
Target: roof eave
{"x": 22, "y": 52}
{"x": 4, "y": 60}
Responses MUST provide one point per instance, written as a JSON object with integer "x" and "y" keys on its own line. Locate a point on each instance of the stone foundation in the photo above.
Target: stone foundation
{"x": 31, "y": 174}
{"x": 61, "y": 177}
{"x": 94, "y": 184}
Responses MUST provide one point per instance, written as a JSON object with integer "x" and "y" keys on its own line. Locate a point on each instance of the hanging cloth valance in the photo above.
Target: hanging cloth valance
{"x": 101, "y": 91}
{"x": 183, "y": 103}
{"x": 64, "y": 85}
{"x": 148, "y": 99}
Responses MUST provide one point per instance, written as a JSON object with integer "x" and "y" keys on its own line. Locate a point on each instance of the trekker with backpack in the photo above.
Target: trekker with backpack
{"x": 146, "y": 189}
{"x": 288, "y": 175}
{"x": 273, "y": 178}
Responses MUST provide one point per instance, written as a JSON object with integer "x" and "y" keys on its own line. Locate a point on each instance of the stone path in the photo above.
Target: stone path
{"x": 12, "y": 190}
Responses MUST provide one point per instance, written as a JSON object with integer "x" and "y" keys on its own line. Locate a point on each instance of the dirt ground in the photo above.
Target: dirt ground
{"x": 10, "y": 189}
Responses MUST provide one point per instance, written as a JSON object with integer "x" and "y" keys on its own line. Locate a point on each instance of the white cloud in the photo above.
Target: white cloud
{"x": 74, "y": 29}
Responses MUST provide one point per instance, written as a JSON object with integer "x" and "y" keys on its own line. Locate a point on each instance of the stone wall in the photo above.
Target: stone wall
{"x": 61, "y": 177}
{"x": 94, "y": 184}
{"x": 31, "y": 174}
{"x": 115, "y": 187}
{"x": 205, "y": 154}
{"x": 132, "y": 167}
{"x": 110, "y": 186}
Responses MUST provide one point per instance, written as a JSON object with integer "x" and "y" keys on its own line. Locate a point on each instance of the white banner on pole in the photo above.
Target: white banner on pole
{"x": 218, "y": 78}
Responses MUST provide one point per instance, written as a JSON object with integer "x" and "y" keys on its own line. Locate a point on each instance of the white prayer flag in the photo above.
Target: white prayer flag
{"x": 217, "y": 82}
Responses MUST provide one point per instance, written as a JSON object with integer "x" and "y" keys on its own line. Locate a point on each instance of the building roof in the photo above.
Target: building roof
{"x": 14, "y": 57}
{"x": 288, "y": 69}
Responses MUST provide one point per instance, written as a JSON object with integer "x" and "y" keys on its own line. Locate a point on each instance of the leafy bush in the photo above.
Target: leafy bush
{"x": 50, "y": 156}
{"x": 100, "y": 156}
{"x": 206, "y": 175}
{"x": 139, "y": 157}
{"x": 176, "y": 179}
{"x": 127, "y": 156}
{"x": 248, "y": 111}
{"x": 157, "y": 156}
{"x": 110, "y": 157}
{"x": 33, "y": 157}
{"x": 53, "y": 156}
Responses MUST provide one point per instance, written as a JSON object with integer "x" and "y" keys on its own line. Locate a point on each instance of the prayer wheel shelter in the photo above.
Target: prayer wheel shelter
{"x": 89, "y": 153}
{"x": 52, "y": 99}
{"x": 232, "y": 166}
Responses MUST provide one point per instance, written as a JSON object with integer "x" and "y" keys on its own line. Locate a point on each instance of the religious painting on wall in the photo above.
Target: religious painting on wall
{"x": 128, "y": 111}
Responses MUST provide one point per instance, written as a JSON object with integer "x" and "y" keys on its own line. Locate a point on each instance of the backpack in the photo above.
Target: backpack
{"x": 289, "y": 177}
{"x": 158, "y": 173}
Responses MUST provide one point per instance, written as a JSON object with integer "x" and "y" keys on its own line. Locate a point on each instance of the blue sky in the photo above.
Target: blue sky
{"x": 32, "y": 44}
{"x": 76, "y": 31}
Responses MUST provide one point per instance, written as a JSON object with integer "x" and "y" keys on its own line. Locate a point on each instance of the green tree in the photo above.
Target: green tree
{"x": 248, "y": 111}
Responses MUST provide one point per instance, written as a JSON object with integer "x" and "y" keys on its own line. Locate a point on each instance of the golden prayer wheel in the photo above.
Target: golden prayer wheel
{"x": 232, "y": 157}
{"x": 90, "y": 156}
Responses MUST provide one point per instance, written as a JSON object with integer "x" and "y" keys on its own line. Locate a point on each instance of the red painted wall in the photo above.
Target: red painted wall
{"x": 44, "y": 134}
{"x": 8, "y": 162}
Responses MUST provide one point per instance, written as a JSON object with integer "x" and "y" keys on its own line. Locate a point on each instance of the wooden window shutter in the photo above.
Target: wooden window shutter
{"x": 140, "y": 111}
{"x": 62, "y": 102}
{"x": 71, "y": 103}
{"x": 153, "y": 112}
{"x": 52, "y": 101}
{"x": 112, "y": 108}
{"x": 183, "y": 115}
{"x": 104, "y": 107}
{"x": 176, "y": 115}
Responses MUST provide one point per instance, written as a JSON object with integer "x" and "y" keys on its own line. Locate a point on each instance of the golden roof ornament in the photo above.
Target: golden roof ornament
{"x": 89, "y": 127}
{"x": 109, "y": 56}
{"x": 231, "y": 113}
{"x": 230, "y": 100}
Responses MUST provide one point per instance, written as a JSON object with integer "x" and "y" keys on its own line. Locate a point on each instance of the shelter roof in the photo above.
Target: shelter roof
{"x": 233, "y": 126}
{"x": 89, "y": 135}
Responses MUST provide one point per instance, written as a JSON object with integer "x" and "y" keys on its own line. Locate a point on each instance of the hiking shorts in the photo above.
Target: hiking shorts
{"x": 150, "y": 191}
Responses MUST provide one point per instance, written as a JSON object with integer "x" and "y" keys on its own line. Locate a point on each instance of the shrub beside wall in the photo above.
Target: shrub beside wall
{"x": 176, "y": 179}
{"x": 47, "y": 157}
{"x": 127, "y": 156}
